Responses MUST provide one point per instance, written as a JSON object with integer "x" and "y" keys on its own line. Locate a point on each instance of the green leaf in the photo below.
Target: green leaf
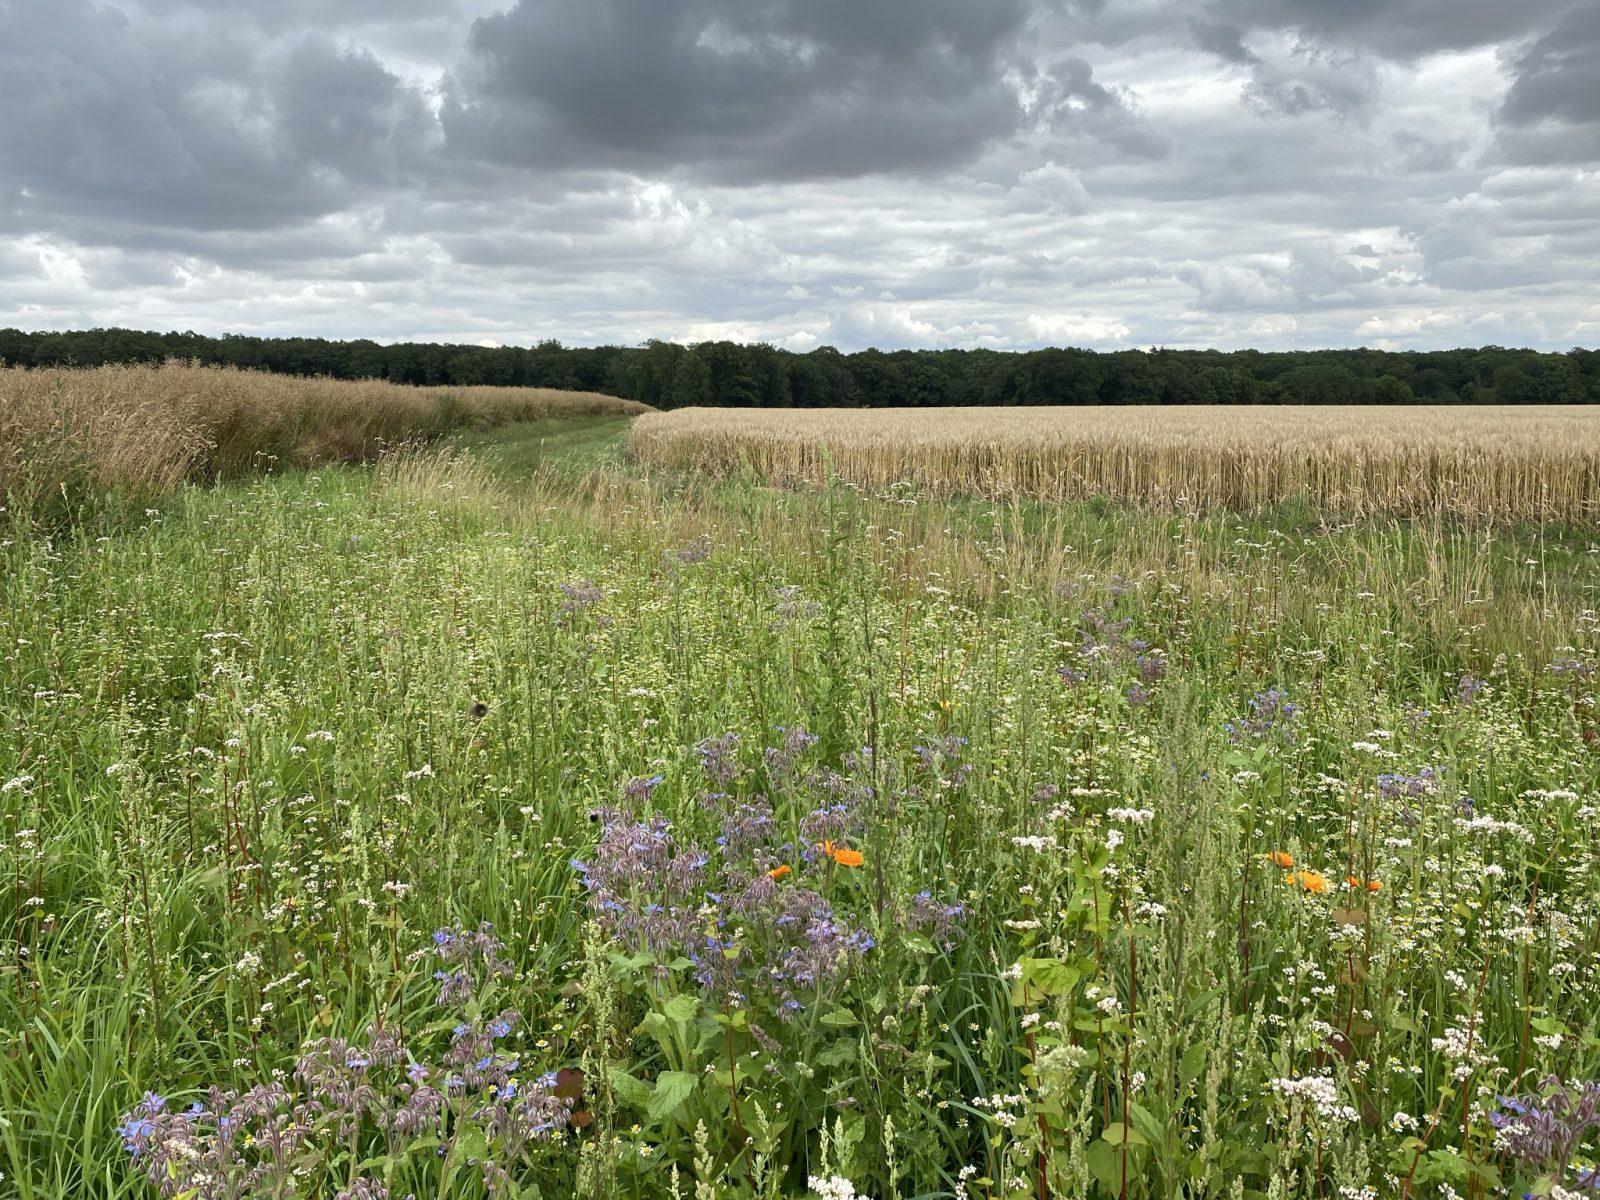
{"x": 1050, "y": 975}
{"x": 1119, "y": 1132}
{"x": 660, "y": 1029}
{"x": 631, "y": 1092}
{"x": 839, "y": 1054}
{"x": 1105, "y": 1164}
{"x": 682, "y": 1008}
{"x": 471, "y": 1145}
{"x": 1192, "y": 1063}
{"x": 839, "y": 1018}
{"x": 1145, "y": 1122}
{"x": 630, "y": 964}
{"x": 672, "y": 1089}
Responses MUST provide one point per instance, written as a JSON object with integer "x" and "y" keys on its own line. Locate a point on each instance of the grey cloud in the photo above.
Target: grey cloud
{"x": 1066, "y": 99}
{"x": 343, "y": 110}
{"x": 1311, "y": 79}
{"x": 299, "y": 16}
{"x": 1395, "y": 28}
{"x": 739, "y": 89}
{"x": 1417, "y": 154}
{"x": 1552, "y": 112}
{"x": 1223, "y": 40}
{"x": 114, "y": 123}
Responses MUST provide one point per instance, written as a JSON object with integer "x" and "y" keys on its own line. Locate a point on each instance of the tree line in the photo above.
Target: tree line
{"x": 669, "y": 375}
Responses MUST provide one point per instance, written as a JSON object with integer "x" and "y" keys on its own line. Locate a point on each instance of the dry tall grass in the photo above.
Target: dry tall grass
{"x": 1540, "y": 463}
{"x": 144, "y": 430}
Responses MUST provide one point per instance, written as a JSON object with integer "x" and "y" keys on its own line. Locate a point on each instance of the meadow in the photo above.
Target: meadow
{"x": 528, "y": 816}
{"x": 1498, "y": 464}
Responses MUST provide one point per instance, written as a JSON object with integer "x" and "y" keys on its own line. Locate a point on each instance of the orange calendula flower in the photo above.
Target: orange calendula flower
{"x": 1281, "y": 858}
{"x": 843, "y": 855}
{"x": 1372, "y": 885}
{"x": 1313, "y": 881}
{"x": 779, "y": 871}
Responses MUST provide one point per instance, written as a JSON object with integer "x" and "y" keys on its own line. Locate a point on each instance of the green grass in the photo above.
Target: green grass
{"x": 265, "y": 739}
{"x": 517, "y": 452}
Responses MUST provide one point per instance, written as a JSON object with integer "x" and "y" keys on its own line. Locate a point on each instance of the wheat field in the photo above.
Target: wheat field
{"x": 1534, "y": 463}
{"x": 143, "y": 430}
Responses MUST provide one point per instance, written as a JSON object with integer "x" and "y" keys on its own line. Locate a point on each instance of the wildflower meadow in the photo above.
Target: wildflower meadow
{"x": 517, "y": 820}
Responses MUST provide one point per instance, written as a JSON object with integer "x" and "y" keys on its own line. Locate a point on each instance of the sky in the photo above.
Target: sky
{"x": 1408, "y": 174}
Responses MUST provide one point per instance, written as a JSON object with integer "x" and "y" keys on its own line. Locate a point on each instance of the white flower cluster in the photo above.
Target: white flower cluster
{"x": 832, "y": 1187}
{"x": 1459, "y": 1047}
{"x": 1132, "y": 816}
{"x": 1322, "y": 1092}
{"x": 1002, "y": 1107}
{"x": 1062, "y": 1059}
{"x": 1484, "y": 823}
{"x": 1037, "y": 844}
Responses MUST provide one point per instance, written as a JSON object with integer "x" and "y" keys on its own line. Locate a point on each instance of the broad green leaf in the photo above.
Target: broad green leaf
{"x": 630, "y": 1091}
{"x": 672, "y": 1089}
{"x": 682, "y": 1008}
{"x": 1119, "y": 1132}
{"x": 1192, "y": 1063}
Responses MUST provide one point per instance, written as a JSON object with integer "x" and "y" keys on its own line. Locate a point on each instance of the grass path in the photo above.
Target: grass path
{"x": 572, "y": 444}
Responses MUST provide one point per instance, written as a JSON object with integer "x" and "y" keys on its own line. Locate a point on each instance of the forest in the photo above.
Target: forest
{"x": 669, "y": 375}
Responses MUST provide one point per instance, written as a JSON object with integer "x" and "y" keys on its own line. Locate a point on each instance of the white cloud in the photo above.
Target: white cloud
{"x": 1051, "y": 188}
{"x": 1274, "y": 326}
{"x": 1076, "y": 329}
{"x": 1407, "y": 324}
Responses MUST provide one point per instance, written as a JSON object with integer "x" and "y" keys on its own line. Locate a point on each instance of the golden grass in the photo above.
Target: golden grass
{"x": 1536, "y": 462}
{"x": 138, "y": 430}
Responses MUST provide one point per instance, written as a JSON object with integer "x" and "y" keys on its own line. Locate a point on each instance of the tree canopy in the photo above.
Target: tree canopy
{"x": 669, "y": 375}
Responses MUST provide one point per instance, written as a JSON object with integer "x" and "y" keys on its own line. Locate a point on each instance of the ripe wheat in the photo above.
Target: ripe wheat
{"x": 1479, "y": 462}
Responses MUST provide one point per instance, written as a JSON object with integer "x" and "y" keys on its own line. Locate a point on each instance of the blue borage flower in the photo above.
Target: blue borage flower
{"x": 935, "y": 917}
{"x": 1414, "y": 786}
{"x": 251, "y": 1143}
{"x": 748, "y": 938}
{"x": 475, "y": 958}
{"x": 1272, "y": 716}
{"x": 1543, "y": 1129}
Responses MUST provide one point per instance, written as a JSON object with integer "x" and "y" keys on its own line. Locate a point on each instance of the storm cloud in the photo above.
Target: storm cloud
{"x": 896, "y": 172}
{"x": 739, "y": 89}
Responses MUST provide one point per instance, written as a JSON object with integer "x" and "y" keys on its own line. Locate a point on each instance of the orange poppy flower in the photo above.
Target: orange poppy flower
{"x": 779, "y": 871}
{"x": 1313, "y": 881}
{"x": 843, "y": 855}
{"x": 1281, "y": 858}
